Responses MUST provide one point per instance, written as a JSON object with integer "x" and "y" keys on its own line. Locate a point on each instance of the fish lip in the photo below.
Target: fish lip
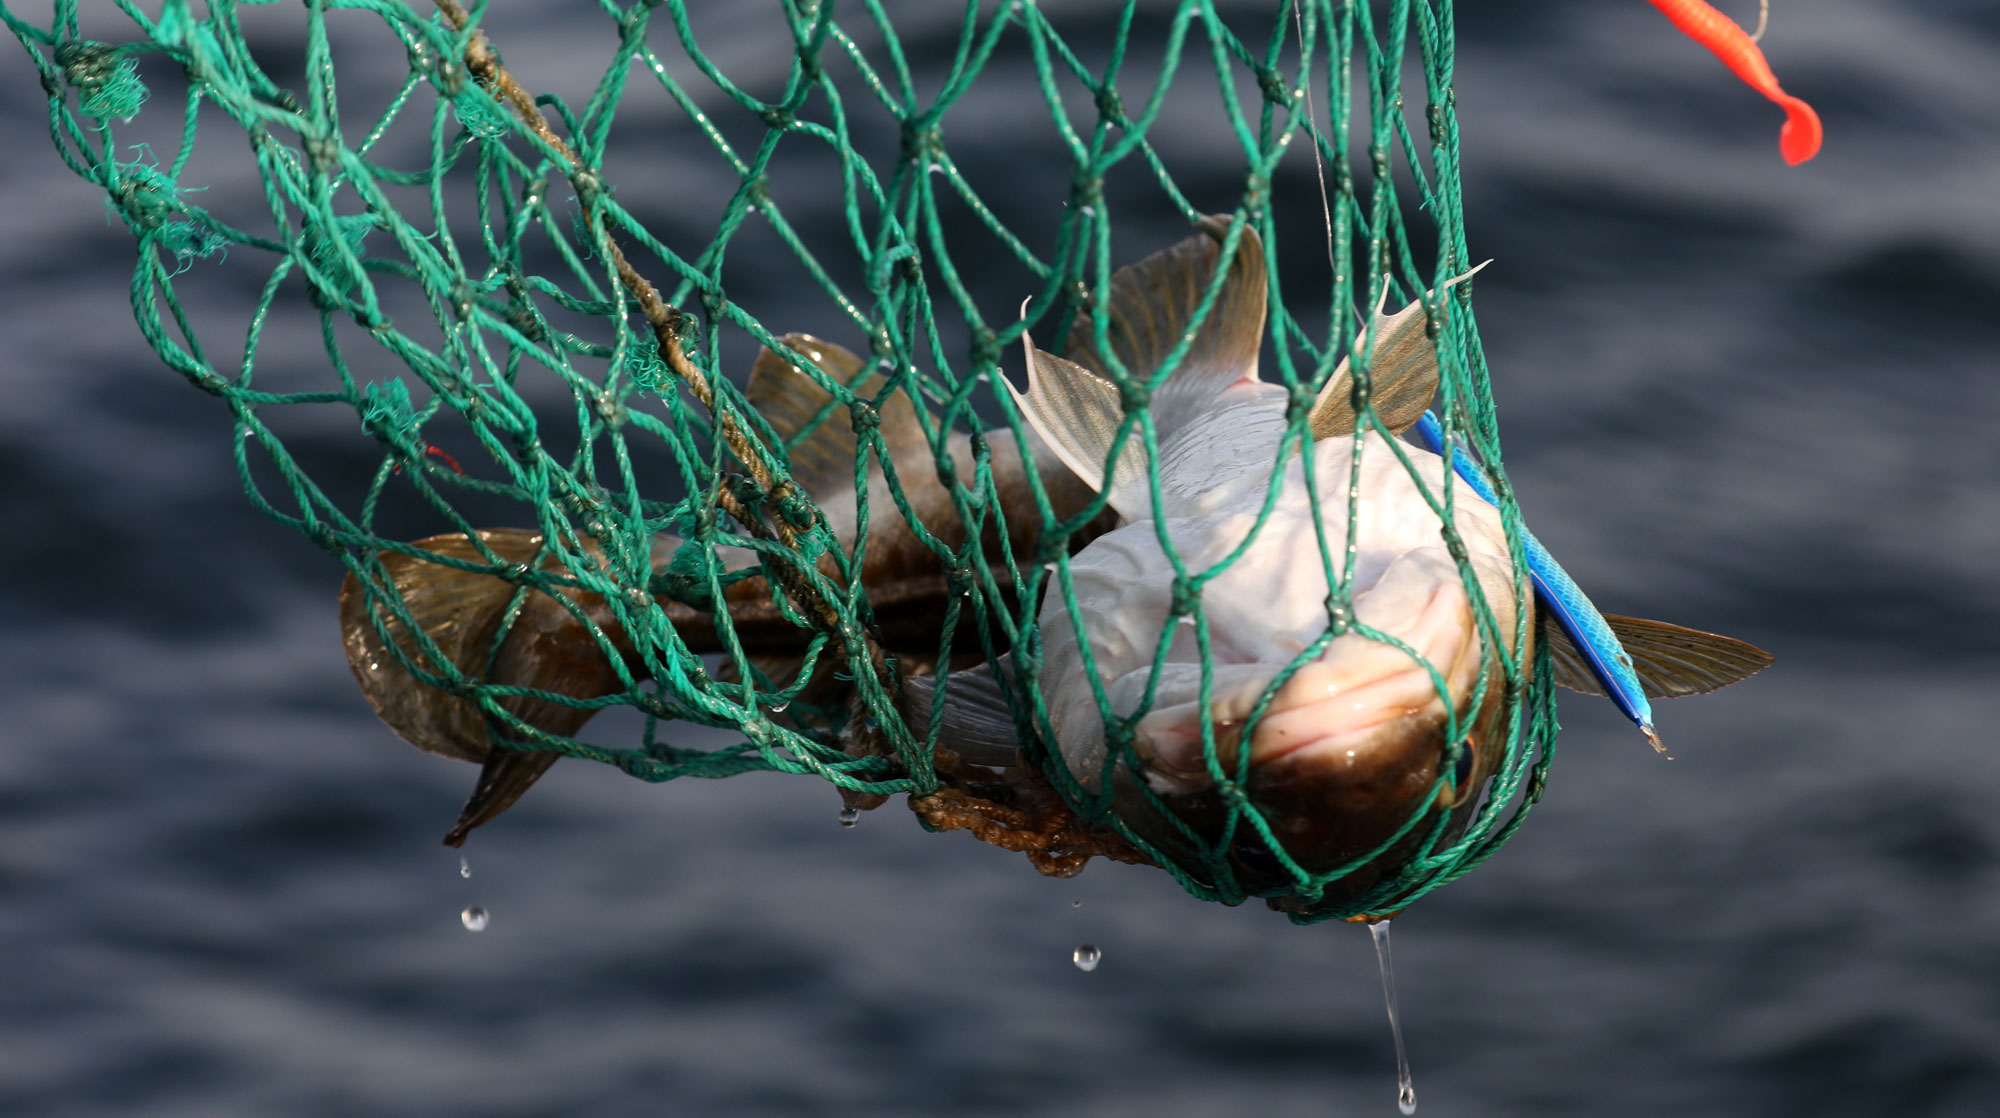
{"x": 1399, "y": 695}
{"x": 1358, "y": 707}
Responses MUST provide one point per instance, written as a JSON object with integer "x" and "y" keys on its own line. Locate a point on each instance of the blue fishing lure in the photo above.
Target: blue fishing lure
{"x": 1559, "y": 597}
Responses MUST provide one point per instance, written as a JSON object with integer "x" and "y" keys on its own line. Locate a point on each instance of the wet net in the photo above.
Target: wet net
{"x": 450, "y": 307}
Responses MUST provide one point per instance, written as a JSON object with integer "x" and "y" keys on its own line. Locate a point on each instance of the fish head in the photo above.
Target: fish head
{"x": 1352, "y": 730}
{"x": 1356, "y": 726}
{"x": 1339, "y": 752}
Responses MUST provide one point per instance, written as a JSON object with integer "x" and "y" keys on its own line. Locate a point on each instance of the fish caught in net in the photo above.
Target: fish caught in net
{"x": 1199, "y": 557}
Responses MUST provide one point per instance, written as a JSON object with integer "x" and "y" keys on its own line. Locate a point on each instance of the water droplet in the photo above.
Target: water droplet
{"x": 1086, "y": 957}
{"x": 373, "y": 666}
{"x": 464, "y": 867}
{"x": 1090, "y": 211}
{"x": 1076, "y": 904}
{"x": 1406, "y": 1093}
{"x": 849, "y": 816}
{"x": 779, "y": 708}
{"x": 474, "y": 919}
{"x": 936, "y": 168}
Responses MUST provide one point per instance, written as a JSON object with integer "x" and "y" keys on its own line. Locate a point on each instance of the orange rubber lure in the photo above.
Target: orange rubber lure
{"x": 1799, "y": 140}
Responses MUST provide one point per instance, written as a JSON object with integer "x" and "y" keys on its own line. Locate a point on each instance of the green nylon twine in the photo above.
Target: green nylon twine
{"x": 449, "y": 243}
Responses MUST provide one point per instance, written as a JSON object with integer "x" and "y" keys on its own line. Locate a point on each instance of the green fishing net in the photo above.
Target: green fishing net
{"x": 439, "y": 274}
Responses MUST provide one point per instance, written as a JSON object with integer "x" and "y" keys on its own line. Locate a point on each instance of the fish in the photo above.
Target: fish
{"x": 1337, "y": 736}
{"x": 460, "y": 590}
{"x": 1337, "y": 749}
{"x": 1345, "y": 720}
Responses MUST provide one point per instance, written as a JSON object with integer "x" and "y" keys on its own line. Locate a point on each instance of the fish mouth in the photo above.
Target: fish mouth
{"x": 1363, "y": 712}
{"x": 1348, "y": 750}
{"x": 1328, "y": 709}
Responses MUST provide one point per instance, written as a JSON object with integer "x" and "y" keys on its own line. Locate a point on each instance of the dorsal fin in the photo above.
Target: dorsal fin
{"x": 1402, "y": 373}
{"x": 788, "y": 399}
{"x": 1151, "y": 308}
{"x": 1671, "y": 660}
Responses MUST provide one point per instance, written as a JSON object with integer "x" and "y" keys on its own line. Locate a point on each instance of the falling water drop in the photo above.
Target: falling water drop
{"x": 1076, "y": 904}
{"x": 1406, "y": 1093}
{"x": 849, "y": 816}
{"x": 464, "y": 867}
{"x": 474, "y": 919}
{"x": 1086, "y": 956}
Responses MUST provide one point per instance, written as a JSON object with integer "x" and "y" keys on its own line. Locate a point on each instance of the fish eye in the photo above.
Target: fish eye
{"x": 1461, "y": 775}
{"x": 1255, "y": 856}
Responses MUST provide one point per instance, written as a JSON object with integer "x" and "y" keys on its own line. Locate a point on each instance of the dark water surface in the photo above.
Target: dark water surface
{"x": 1749, "y": 398}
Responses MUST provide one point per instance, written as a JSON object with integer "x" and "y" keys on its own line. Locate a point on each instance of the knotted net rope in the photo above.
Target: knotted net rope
{"x": 478, "y": 280}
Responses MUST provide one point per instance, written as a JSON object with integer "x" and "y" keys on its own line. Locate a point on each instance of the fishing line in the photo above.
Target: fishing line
{"x": 1312, "y": 122}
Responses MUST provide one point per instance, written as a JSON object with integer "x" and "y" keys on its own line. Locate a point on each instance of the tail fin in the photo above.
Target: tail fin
{"x": 463, "y": 611}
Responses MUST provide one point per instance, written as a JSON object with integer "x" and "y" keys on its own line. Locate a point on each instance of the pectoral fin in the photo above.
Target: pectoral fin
{"x": 789, "y": 400}
{"x": 1151, "y": 310}
{"x": 1078, "y": 414}
{"x": 462, "y": 612}
{"x": 978, "y": 724}
{"x": 506, "y": 775}
{"x": 1671, "y": 660}
{"x": 1402, "y": 372}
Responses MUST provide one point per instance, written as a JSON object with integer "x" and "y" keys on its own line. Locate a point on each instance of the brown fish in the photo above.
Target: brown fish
{"x": 1352, "y": 741}
{"x": 547, "y": 647}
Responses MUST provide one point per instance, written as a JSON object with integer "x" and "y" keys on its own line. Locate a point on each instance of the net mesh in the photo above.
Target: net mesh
{"x": 510, "y": 343}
